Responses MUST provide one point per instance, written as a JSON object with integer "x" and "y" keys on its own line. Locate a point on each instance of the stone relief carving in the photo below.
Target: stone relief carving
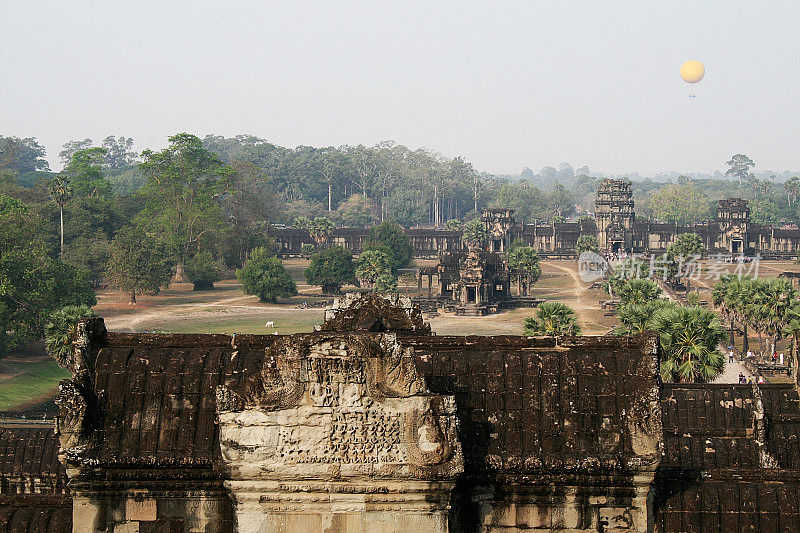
{"x": 338, "y": 405}
{"x": 78, "y": 407}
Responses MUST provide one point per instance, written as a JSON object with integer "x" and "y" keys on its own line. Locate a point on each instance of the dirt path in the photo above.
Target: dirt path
{"x": 571, "y": 290}
{"x": 577, "y": 288}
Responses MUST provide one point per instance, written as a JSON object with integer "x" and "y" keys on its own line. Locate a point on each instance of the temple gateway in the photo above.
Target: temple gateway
{"x": 373, "y": 424}
{"x": 614, "y": 225}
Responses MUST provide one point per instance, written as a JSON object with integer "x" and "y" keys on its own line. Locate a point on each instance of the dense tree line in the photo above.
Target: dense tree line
{"x": 199, "y": 207}
{"x": 362, "y": 185}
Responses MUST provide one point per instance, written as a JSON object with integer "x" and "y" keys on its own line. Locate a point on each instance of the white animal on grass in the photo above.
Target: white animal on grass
{"x": 270, "y": 324}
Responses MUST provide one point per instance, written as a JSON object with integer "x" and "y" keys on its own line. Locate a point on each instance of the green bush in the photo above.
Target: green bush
{"x": 202, "y": 271}
{"x": 265, "y": 276}
{"x": 392, "y": 240}
{"x": 331, "y": 268}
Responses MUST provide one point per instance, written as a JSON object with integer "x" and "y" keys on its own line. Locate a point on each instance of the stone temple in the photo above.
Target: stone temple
{"x": 614, "y": 224}
{"x": 374, "y": 424}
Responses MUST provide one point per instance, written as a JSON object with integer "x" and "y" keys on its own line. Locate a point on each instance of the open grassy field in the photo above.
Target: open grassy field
{"x": 26, "y": 381}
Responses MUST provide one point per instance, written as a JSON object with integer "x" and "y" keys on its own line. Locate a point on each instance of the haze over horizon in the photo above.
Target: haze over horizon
{"x": 507, "y": 86}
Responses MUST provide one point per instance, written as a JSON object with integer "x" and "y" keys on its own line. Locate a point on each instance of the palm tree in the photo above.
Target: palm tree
{"x": 553, "y": 319}
{"x": 721, "y": 298}
{"x": 792, "y": 328}
{"x": 524, "y": 262}
{"x": 627, "y": 270}
{"x": 778, "y": 297}
{"x": 319, "y": 228}
{"x": 638, "y": 291}
{"x": 61, "y": 192}
{"x": 59, "y": 332}
{"x": 689, "y": 337}
{"x": 735, "y": 295}
{"x": 635, "y": 318}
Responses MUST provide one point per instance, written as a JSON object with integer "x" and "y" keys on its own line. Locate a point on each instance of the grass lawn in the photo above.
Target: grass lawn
{"x": 287, "y": 321}
{"x": 31, "y": 382}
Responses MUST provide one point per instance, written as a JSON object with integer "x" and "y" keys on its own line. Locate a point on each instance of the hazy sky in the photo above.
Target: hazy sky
{"x": 505, "y": 84}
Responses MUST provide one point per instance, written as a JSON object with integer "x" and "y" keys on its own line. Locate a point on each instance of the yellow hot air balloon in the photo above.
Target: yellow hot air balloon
{"x": 692, "y": 71}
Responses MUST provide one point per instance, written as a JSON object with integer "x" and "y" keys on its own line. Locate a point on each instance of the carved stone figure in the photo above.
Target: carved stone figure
{"x": 332, "y": 413}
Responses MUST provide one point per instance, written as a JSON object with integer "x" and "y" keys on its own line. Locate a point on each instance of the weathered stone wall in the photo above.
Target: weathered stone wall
{"x": 367, "y": 426}
{"x": 33, "y": 484}
{"x": 556, "y": 436}
{"x": 338, "y": 432}
{"x": 730, "y": 461}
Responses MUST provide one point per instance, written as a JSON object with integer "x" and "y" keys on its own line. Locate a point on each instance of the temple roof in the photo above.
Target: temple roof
{"x": 33, "y": 483}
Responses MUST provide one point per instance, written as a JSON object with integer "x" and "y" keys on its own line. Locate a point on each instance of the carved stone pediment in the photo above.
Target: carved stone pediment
{"x": 615, "y": 232}
{"x": 472, "y": 267}
{"x": 337, "y": 406}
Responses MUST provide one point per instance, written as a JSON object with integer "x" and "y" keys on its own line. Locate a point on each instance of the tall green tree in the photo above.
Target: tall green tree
{"x": 392, "y": 239}
{"x": 140, "y": 261}
{"x": 560, "y": 201}
{"x": 248, "y": 206}
{"x": 61, "y": 193}
{"x": 22, "y": 156}
{"x": 792, "y": 186}
{"x": 86, "y": 175}
{"x": 683, "y": 254}
{"x": 90, "y": 255}
{"x": 183, "y": 194}
{"x": 71, "y": 147}
{"x": 765, "y": 211}
{"x": 682, "y": 204}
{"x": 331, "y": 268}
{"x": 32, "y": 284}
{"x": 356, "y": 212}
{"x": 523, "y": 261}
{"x": 739, "y": 168}
{"x": 119, "y": 152}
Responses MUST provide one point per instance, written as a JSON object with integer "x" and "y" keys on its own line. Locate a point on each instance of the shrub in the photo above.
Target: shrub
{"x": 331, "y": 268}
{"x": 392, "y": 239}
{"x": 202, "y": 271}
{"x": 265, "y": 276}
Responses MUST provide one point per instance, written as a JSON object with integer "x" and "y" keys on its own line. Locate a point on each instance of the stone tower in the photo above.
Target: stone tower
{"x": 733, "y": 219}
{"x": 499, "y": 224}
{"x": 614, "y": 215}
